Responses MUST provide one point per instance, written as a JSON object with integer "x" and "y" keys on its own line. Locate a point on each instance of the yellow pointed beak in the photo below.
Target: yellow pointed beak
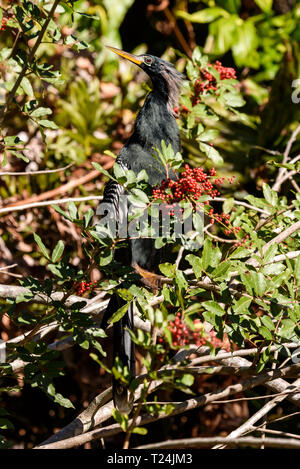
{"x": 133, "y": 58}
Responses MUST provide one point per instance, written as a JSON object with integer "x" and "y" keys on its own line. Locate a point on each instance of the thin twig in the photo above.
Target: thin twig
{"x": 275, "y": 432}
{"x": 258, "y": 415}
{"x": 281, "y": 173}
{"x": 31, "y": 173}
{"x": 49, "y": 202}
{"x": 209, "y": 441}
{"x": 243, "y": 204}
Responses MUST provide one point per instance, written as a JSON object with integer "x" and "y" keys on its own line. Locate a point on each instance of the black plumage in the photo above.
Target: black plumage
{"x": 155, "y": 122}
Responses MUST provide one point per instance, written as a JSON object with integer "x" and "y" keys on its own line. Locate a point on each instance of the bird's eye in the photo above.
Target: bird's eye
{"x": 148, "y": 60}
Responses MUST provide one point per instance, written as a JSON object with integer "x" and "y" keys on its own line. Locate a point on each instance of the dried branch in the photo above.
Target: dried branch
{"x": 62, "y": 189}
{"x": 274, "y": 432}
{"x": 208, "y": 442}
{"x": 259, "y": 414}
{"x": 282, "y": 171}
{"x": 45, "y": 203}
{"x": 31, "y": 173}
{"x": 282, "y": 236}
{"x": 277, "y": 385}
{"x": 184, "y": 406}
{"x": 243, "y": 204}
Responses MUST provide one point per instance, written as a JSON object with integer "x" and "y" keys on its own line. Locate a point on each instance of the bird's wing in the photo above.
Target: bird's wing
{"x": 113, "y": 208}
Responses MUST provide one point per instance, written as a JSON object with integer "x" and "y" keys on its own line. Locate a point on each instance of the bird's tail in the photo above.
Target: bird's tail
{"x": 123, "y": 348}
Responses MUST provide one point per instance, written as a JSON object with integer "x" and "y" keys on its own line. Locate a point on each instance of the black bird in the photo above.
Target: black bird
{"x": 155, "y": 122}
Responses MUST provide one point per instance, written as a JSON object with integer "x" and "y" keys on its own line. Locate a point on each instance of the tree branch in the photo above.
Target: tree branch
{"x": 184, "y": 406}
{"x": 290, "y": 443}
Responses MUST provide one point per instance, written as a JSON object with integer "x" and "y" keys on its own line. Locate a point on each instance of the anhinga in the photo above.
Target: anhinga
{"x": 155, "y": 122}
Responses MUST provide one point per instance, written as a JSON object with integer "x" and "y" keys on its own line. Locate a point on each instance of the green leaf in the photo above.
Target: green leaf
{"x": 48, "y": 124}
{"x": 58, "y": 250}
{"x": 265, "y": 333}
{"x": 41, "y": 245}
{"x": 55, "y": 270}
{"x": 159, "y": 242}
{"x": 228, "y": 205}
{"x": 61, "y": 212}
{"x": 72, "y": 210}
{"x": 240, "y": 253}
{"x": 138, "y": 198}
{"x": 41, "y": 111}
{"x": 26, "y": 86}
{"x": 221, "y": 270}
{"x": 5, "y": 424}
{"x": 233, "y": 99}
{"x": 84, "y": 344}
{"x": 198, "y": 222}
{"x": 242, "y": 305}
{"x": 265, "y": 5}
{"x": 140, "y": 430}
{"x": 63, "y": 401}
{"x": 196, "y": 264}
{"x": 223, "y": 32}
{"x": 270, "y": 253}
{"x": 102, "y": 170}
{"x": 287, "y": 328}
{"x": 211, "y": 256}
{"x": 259, "y": 283}
{"x": 19, "y": 155}
{"x": 245, "y": 44}
{"x": 168, "y": 269}
{"x": 119, "y": 313}
{"x": 88, "y": 217}
{"x": 214, "y": 308}
{"x": 121, "y": 419}
{"x": 186, "y": 379}
{"x": 268, "y": 323}
{"x": 211, "y": 153}
{"x": 106, "y": 256}
{"x": 207, "y": 15}
{"x": 119, "y": 171}
{"x": 270, "y": 195}
{"x": 274, "y": 269}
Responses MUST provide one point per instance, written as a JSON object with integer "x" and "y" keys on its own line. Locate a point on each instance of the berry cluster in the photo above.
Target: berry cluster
{"x": 218, "y": 217}
{"x": 190, "y": 186}
{"x": 85, "y": 286}
{"x": 243, "y": 242}
{"x": 3, "y": 24}
{"x": 182, "y": 335}
{"x": 207, "y": 82}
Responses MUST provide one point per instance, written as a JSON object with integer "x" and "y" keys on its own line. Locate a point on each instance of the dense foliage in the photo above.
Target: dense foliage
{"x": 67, "y": 105}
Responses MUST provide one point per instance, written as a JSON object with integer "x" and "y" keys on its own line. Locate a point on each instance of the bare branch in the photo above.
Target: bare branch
{"x": 45, "y": 203}
{"x": 259, "y": 414}
{"x": 208, "y": 442}
{"x": 184, "y": 406}
{"x": 281, "y": 173}
{"x": 31, "y": 173}
{"x": 274, "y": 432}
{"x": 277, "y": 385}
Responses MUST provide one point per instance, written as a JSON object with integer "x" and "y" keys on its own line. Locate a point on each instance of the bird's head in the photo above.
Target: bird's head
{"x": 165, "y": 78}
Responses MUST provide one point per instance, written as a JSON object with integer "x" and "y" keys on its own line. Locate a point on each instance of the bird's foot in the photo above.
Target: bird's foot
{"x": 149, "y": 279}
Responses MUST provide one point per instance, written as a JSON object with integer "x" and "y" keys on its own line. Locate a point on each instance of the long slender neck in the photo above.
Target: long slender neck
{"x": 155, "y": 123}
